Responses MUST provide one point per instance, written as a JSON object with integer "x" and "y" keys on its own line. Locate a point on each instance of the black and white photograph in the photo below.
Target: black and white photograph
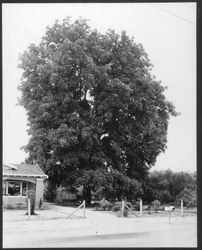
{"x": 99, "y": 125}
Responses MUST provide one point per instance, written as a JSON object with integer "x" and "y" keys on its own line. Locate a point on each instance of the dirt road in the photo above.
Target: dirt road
{"x": 98, "y": 229}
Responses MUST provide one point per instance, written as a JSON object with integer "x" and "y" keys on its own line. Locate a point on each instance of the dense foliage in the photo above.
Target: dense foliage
{"x": 167, "y": 186}
{"x": 92, "y": 105}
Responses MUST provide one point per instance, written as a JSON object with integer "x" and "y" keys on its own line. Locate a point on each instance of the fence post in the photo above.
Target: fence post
{"x": 28, "y": 209}
{"x": 140, "y": 207}
{"x": 122, "y": 208}
{"x": 84, "y": 208}
{"x": 182, "y": 208}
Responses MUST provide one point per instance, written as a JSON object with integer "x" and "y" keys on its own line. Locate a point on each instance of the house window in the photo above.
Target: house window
{"x": 15, "y": 188}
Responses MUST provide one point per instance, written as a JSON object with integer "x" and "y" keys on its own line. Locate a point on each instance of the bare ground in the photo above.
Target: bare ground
{"x": 51, "y": 228}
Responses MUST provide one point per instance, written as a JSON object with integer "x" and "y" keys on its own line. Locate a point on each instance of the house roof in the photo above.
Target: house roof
{"x": 25, "y": 170}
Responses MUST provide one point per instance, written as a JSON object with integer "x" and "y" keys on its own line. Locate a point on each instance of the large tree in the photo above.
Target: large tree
{"x": 92, "y": 104}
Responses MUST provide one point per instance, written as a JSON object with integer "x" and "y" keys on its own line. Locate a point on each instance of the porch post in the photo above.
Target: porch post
{"x": 39, "y": 191}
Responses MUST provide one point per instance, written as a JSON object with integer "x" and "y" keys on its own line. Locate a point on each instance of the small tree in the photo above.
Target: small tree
{"x": 189, "y": 197}
{"x": 156, "y": 204}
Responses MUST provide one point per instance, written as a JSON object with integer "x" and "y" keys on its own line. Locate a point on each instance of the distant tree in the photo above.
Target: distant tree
{"x": 166, "y": 185}
{"x": 165, "y": 196}
{"x": 92, "y": 104}
{"x": 189, "y": 197}
{"x": 180, "y": 181}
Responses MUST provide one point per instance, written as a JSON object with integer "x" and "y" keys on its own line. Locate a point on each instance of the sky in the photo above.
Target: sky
{"x": 167, "y": 32}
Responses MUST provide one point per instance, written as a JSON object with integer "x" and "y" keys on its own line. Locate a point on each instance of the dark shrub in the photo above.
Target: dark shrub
{"x": 40, "y": 204}
{"x": 136, "y": 206}
{"x": 31, "y": 195}
{"x": 116, "y": 207}
{"x": 49, "y": 192}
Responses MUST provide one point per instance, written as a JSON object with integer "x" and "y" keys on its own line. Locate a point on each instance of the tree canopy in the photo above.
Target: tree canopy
{"x": 92, "y": 105}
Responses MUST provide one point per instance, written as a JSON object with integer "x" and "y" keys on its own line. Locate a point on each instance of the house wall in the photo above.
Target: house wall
{"x": 14, "y": 201}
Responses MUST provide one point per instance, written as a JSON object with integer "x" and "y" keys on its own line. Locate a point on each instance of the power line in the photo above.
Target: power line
{"x": 173, "y": 14}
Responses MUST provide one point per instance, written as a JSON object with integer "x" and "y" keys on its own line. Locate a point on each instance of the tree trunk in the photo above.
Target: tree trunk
{"x": 87, "y": 195}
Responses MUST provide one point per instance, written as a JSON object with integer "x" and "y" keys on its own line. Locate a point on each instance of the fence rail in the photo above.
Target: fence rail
{"x": 129, "y": 209}
{"x": 84, "y": 209}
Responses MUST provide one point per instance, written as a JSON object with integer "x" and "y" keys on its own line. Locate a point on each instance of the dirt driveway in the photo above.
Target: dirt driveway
{"x": 51, "y": 228}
